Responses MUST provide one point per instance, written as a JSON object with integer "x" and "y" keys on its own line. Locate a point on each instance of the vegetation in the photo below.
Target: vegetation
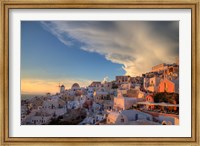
{"x": 166, "y": 97}
{"x": 114, "y": 86}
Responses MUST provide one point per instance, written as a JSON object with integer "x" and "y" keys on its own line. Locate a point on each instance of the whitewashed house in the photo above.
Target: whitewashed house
{"x": 122, "y": 103}
{"x": 166, "y": 120}
{"x": 90, "y": 91}
{"x": 127, "y": 116}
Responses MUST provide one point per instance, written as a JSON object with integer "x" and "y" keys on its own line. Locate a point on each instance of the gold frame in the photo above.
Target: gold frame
{"x": 182, "y": 4}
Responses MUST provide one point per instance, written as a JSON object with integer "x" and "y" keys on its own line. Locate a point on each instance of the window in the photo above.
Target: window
{"x": 136, "y": 117}
{"x": 165, "y": 87}
{"x": 122, "y": 120}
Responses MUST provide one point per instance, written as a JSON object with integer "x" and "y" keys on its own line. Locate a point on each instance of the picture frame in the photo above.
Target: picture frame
{"x": 6, "y": 5}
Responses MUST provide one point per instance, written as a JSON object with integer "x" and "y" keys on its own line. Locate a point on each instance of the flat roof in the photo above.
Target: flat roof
{"x": 160, "y": 104}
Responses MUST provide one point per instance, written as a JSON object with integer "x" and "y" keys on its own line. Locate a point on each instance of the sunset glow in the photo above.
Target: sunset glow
{"x": 56, "y": 52}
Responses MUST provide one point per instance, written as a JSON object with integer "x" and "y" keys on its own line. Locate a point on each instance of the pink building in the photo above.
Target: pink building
{"x": 122, "y": 79}
{"x": 150, "y": 98}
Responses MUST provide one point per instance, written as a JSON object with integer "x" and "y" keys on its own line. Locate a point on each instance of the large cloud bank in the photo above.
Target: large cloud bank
{"x": 137, "y": 45}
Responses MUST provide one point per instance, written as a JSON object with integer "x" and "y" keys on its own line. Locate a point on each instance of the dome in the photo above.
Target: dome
{"x": 75, "y": 85}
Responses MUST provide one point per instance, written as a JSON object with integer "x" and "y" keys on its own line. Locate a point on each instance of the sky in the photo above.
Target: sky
{"x": 68, "y": 52}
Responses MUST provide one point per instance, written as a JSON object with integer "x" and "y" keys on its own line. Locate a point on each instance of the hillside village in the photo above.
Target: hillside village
{"x": 149, "y": 99}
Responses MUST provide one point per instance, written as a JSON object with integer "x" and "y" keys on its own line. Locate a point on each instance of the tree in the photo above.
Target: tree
{"x": 166, "y": 97}
{"x": 114, "y": 86}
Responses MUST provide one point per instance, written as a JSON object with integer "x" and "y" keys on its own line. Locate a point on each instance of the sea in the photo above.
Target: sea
{"x": 27, "y": 96}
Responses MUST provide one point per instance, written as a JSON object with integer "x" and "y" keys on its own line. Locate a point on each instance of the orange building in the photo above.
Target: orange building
{"x": 171, "y": 86}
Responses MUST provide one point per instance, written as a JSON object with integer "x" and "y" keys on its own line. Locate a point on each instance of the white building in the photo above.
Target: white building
{"x": 74, "y": 104}
{"x": 54, "y": 106}
{"x": 116, "y": 118}
{"x": 96, "y": 107}
{"x": 91, "y": 120}
{"x": 126, "y": 116}
{"x": 53, "y": 103}
{"x": 125, "y": 86}
{"x": 166, "y": 120}
{"x": 90, "y": 91}
{"x": 122, "y": 103}
{"x": 100, "y": 95}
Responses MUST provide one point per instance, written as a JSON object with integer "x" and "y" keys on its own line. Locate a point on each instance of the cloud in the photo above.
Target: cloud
{"x": 136, "y": 45}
